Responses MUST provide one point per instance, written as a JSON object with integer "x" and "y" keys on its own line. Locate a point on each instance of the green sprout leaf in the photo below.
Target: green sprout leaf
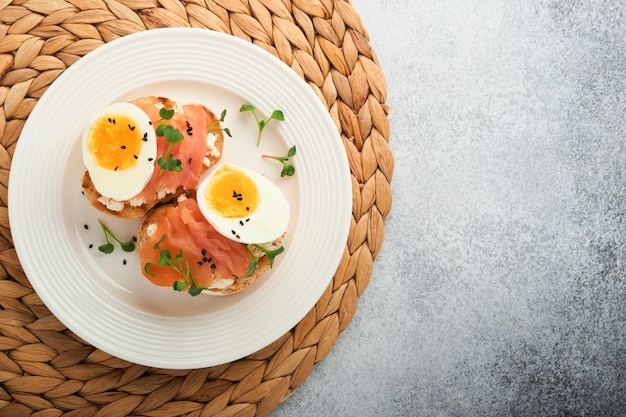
{"x": 251, "y": 267}
{"x": 288, "y": 169}
{"x": 158, "y": 244}
{"x": 146, "y": 268}
{"x": 164, "y": 257}
{"x": 160, "y": 130}
{"x": 216, "y": 124}
{"x": 262, "y": 123}
{"x": 277, "y": 115}
{"x": 166, "y": 114}
{"x": 170, "y": 164}
{"x": 128, "y": 246}
{"x": 194, "y": 290}
{"x": 271, "y": 254}
{"x": 172, "y": 136}
{"x": 108, "y": 247}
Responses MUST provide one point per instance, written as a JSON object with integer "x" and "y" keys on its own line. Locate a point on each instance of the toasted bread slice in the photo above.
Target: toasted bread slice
{"x": 132, "y": 210}
{"x": 157, "y": 214}
{"x": 122, "y": 209}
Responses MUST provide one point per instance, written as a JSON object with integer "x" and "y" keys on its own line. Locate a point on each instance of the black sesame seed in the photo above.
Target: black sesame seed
{"x": 132, "y": 128}
{"x": 150, "y": 123}
{"x": 189, "y": 162}
{"x": 233, "y": 232}
{"x": 110, "y": 120}
{"x": 150, "y": 159}
{"x": 203, "y": 252}
{"x": 145, "y": 136}
{"x": 134, "y": 238}
{"x": 247, "y": 220}
{"x": 86, "y": 226}
{"x": 115, "y": 169}
{"x": 241, "y": 222}
{"x": 200, "y": 263}
{"x": 238, "y": 237}
{"x": 123, "y": 146}
{"x": 135, "y": 156}
{"x": 124, "y": 262}
{"x": 212, "y": 266}
{"x": 90, "y": 245}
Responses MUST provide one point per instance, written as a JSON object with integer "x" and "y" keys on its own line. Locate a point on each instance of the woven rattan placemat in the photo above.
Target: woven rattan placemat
{"x": 46, "y": 370}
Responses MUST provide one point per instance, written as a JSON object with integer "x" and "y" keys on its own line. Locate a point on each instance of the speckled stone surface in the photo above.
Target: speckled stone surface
{"x": 501, "y": 286}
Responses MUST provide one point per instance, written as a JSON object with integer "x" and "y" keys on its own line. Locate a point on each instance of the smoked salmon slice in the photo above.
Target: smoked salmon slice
{"x": 192, "y": 121}
{"x": 208, "y": 255}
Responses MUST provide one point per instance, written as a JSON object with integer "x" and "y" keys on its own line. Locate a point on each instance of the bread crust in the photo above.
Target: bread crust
{"x": 133, "y": 212}
{"x": 155, "y": 215}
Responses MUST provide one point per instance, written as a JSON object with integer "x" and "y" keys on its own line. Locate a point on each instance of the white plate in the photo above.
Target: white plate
{"x": 104, "y": 298}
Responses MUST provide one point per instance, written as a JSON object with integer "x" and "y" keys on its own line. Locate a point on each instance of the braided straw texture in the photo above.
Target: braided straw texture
{"x": 46, "y": 370}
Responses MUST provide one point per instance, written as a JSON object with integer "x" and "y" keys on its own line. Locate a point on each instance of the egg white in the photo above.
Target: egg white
{"x": 266, "y": 223}
{"x": 124, "y": 184}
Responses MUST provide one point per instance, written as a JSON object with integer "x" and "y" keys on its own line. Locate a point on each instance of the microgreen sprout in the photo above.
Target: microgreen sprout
{"x": 108, "y": 247}
{"x": 288, "y": 169}
{"x": 276, "y": 115}
{"x": 172, "y": 136}
{"x": 177, "y": 263}
{"x": 271, "y": 254}
{"x": 216, "y": 124}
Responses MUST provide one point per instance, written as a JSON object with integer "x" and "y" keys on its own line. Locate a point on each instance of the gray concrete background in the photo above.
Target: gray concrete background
{"x": 501, "y": 286}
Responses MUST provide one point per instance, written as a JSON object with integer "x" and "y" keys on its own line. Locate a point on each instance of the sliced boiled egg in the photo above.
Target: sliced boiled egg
{"x": 119, "y": 150}
{"x": 243, "y": 205}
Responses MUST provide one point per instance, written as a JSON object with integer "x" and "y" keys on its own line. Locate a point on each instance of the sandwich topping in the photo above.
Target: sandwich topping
{"x": 119, "y": 148}
{"x": 184, "y": 250}
{"x": 243, "y": 205}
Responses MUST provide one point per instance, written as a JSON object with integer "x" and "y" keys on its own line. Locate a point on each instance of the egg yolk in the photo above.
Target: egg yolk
{"x": 115, "y": 142}
{"x": 231, "y": 193}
